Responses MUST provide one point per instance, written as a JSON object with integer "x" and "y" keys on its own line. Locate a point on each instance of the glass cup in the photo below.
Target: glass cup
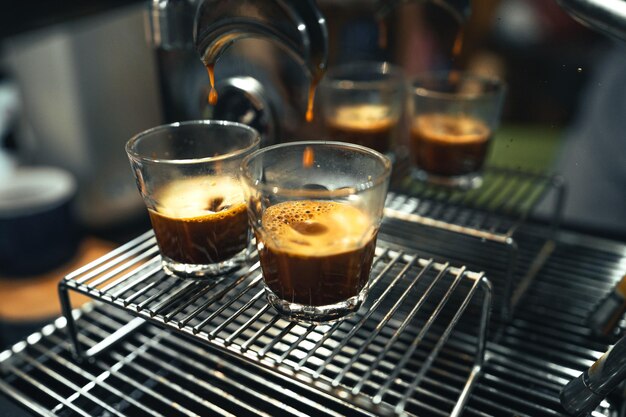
{"x": 453, "y": 116}
{"x": 362, "y": 103}
{"x": 188, "y": 176}
{"x": 315, "y": 208}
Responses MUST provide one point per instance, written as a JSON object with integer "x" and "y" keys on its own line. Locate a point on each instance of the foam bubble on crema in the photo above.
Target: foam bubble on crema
{"x": 450, "y": 128}
{"x": 316, "y": 228}
{"x": 362, "y": 117}
{"x": 200, "y": 197}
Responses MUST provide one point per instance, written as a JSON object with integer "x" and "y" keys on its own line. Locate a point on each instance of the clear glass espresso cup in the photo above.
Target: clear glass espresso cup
{"x": 188, "y": 176}
{"x": 315, "y": 209}
{"x": 453, "y": 117}
{"x": 362, "y": 103}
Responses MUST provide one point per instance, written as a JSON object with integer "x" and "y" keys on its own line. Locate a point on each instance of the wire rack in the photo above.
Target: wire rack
{"x": 157, "y": 372}
{"x": 378, "y": 360}
{"x": 152, "y": 373}
{"x": 492, "y": 213}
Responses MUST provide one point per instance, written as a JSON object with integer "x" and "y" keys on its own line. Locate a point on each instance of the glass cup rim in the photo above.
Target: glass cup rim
{"x": 137, "y": 157}
{"x": 499, "y": 86}
{"x": 334, "y": 79}
{"x": 342, "y": 192}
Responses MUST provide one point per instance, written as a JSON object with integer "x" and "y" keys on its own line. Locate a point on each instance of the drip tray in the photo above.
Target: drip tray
{"x": 422, "y": 320}
{"x": 150, "y": 371}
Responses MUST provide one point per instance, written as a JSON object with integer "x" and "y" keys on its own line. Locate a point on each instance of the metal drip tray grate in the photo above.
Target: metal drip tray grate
{"x": 155, "y": 372}
{"x": 493, "y": 211}
{"x": 152, "y": 373}
{"x": 404, "y": 337}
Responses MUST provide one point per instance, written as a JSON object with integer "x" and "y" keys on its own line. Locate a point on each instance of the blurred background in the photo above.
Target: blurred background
{"x": 78, "y": 79}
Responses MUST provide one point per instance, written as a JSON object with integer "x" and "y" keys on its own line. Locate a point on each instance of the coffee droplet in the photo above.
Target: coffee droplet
{"x": 308, "y": 157}
{"x": 213, "y": 97}
{"x": 311, "y": 101}
{"x": 458, "y": 44}
{"x": 309, "y": 228}
{"x": 213, "y": 92}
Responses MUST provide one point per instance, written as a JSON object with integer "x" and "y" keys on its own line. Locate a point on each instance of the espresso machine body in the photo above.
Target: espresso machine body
{"x": 262, "y": 82}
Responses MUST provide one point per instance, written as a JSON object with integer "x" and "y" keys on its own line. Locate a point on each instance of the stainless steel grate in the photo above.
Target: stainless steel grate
{"x": 493, "y": 211}
{"x": 152, "y": 373}
{"x": 408, "y": 322}
{"x": 545, "y": 345}
{"x": 524, "y": 369}
{"x": 548, "y": 342}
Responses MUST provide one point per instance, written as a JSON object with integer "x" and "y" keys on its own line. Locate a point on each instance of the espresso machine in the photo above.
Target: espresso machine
{"x": 266, "y": 62}
{"x": 268, "y": 89}
{"x": 158, "y": 346}
{"x": 257, "y": 82}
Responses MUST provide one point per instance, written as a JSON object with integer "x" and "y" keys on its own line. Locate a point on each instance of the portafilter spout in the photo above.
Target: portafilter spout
{"x": 583, "y": 394}
{"x": 296, "y": 25}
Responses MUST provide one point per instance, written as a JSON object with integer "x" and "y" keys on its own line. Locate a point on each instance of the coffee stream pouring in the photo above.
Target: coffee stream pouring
{"x": 297, "y": 26}
{"x": 183, "y": 29}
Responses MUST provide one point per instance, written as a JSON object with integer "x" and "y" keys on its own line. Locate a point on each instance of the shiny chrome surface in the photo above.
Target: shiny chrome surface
{"x": 379, "y": 360}
{"x": 545, "y": 345}
{"x": 491, "y": 215}
{"x": 171, "y": 23}
{"x": 296, "y": 25}
{"x": 244, "y": 99}
{"x": 152, "y": 373}
{"x": 528, "y": 359}
{"x": 494, "y": 211}
{"x": 583, "y": 394}
{"x": 605, "y": 16}
{"x": 548, "y": 342}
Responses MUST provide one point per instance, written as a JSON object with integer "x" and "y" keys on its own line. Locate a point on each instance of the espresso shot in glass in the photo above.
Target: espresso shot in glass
{"x": 188, "y": 176}
{"x": 362, "y": 103}
{"x": 315, "y": 208}
{"x": 453, "y": 117}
